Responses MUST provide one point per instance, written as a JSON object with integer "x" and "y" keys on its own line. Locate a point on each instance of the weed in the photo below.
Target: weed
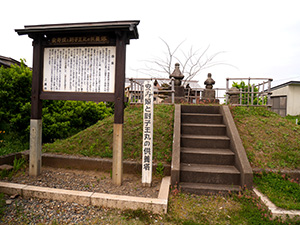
{"x": 17, "y": 165}
{"x": 160, "y": 169}
{"x": 2, "y": 204}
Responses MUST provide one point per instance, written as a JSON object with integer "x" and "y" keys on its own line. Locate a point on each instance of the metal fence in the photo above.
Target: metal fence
{"x": 134, "y": 91}
{"x": 251, "y": 94}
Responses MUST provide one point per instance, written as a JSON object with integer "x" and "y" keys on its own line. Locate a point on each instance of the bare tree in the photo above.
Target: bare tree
{"x": 191, "y": 62}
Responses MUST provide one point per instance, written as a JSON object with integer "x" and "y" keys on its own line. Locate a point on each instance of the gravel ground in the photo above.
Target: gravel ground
{"x": 37, "y": 211}
{"x": 93, "y": 181}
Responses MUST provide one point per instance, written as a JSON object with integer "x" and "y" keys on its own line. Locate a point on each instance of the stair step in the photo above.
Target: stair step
{"x": 204, "y": 188}
{"x": 204, "y": 141}
{"x": 208, "y": 168}
{"x": 200, "y": 109}
{"x": 207, "y": 156}
{"x": 203, "y": 129}
{"x": 201, "y": 118}
{"x": 213, "y": 174}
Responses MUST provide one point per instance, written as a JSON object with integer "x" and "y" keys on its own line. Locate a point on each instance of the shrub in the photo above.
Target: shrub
{"x": 60, "y": 118}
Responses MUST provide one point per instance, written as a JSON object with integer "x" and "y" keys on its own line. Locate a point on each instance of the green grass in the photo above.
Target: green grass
{"x": 280, "y": 189}
{"x": 234, "y": 209}
{"x": 293, "y": 119}
{"x": 10, "y": 143}
{"x": 97, "y": 139}
{"x": 270, "y": 140}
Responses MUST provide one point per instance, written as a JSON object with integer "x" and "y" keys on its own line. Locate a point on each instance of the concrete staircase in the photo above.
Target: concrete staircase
{"x": 207, "y": 161}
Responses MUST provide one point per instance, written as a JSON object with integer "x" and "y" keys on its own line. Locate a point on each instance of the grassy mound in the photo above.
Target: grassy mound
{"x": 97, "y": 139}
{"x": 270, "y": 140}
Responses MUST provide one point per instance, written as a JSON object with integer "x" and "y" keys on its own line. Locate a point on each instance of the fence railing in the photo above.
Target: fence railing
{"x": 254, "y": 95}
{"x": 258, "y": 94}
{"x": 134, "y": 91}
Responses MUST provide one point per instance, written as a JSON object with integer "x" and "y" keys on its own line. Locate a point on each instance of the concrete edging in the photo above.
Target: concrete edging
{"x": 156, "y": 205}
{"x": 242, "y": 162}
{"x": 175, "y": 164}
{"x": 87, "y": 163}
{"x": 276, "y": 211}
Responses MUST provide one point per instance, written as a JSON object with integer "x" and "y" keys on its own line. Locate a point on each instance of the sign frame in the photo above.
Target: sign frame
{"x": 112, "y": 33}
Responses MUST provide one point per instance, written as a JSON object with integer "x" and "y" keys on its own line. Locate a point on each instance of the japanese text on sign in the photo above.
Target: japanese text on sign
{"x": 147, "y": 133}
{"x": 79, "y": 69}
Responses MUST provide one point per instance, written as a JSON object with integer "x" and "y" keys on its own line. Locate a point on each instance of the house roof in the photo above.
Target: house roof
{"x": 285, "y": 84}
{"x": 6, "y": 61}
{"x": 130, "y": 26}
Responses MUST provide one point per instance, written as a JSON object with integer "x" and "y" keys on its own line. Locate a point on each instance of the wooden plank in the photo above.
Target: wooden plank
{"x": 77, "y": 96}
{"x": 120, "y": 78}
{"x": 36, "y": 103}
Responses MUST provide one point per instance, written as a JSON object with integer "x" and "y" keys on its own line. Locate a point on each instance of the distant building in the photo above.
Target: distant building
{"x": 7, "y": 62}
{"x": 285, "y": 98}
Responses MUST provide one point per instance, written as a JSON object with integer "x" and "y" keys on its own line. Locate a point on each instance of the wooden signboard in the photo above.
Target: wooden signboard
{"x": 79, "y": 61}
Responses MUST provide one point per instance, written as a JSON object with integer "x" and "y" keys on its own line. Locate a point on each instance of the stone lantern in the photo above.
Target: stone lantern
{"x": 209, "y": 82}
{"x": 233, "y": 95}
{"x": 177, "y": 75}
{"x": 179, "y": 96}
{"x": 208, "y": 94}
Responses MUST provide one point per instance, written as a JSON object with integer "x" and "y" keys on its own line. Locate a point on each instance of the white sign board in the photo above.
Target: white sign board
{"x": 147, "y": 134}
{"x": 79, "y": 69}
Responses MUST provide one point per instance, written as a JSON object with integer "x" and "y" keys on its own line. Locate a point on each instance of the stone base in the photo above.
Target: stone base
{"x": 208, "y": 94}
{"x": 208, "y": 101}
{"x": 179, "y": 91}
{"x": 177, "y": 100}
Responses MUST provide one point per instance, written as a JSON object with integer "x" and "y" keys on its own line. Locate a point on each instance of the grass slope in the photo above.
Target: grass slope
{"x": 270, "y": 140}
{"x": 97, "y": 140}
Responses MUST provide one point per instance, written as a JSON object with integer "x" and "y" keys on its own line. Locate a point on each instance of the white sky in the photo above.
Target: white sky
{"x": 261, "y": 38}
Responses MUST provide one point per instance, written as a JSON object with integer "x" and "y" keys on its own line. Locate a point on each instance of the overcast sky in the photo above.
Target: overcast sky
{"x": 260, "y": 38}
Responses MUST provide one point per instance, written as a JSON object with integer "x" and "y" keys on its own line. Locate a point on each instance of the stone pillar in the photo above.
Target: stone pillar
{"x": 35, "y": 153}
{"x": 117, "y": 168}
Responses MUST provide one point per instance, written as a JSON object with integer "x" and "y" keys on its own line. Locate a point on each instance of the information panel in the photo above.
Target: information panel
{"x": 79, "y": 69}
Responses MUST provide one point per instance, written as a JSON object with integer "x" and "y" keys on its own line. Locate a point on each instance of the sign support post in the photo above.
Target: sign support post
{"x": 35, "y": 153}
{"x": 117, "y": 168}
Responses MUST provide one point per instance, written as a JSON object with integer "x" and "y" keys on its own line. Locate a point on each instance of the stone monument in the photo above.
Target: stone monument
{"x": 233, "y": 95}
{"x": 178, "y": 76}
{"x": 208, "y": 94}
{"x": 178, "y": 88}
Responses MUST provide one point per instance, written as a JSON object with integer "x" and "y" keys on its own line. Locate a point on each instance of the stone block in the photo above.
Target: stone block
{"x": 11, "y": 188}
{"x": 80, "y": 197}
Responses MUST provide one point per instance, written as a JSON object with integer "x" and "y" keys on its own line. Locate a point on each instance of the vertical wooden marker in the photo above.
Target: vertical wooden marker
{"x": 147, "y": 134}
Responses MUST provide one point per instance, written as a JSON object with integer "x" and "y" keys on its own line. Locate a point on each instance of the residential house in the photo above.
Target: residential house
{"x": 285, "y": 98}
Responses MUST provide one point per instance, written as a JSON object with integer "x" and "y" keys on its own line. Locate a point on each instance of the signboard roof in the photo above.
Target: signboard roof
{"x": 130, "y": 26}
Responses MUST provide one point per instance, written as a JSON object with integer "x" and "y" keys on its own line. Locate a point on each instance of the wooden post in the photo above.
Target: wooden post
{"x": 227, "y": 89}
{"x": 147, "y": 134}
{"x": 117, "y": 169}
{"x": 35, "y": 155}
